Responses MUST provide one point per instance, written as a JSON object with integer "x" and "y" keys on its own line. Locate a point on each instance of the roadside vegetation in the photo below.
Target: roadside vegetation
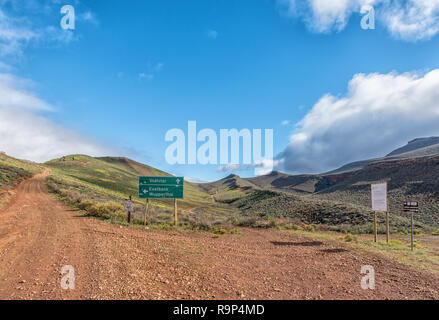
{"x": 100, "y": 186}
{"x": 12, "y": 172}
{"x": 256, "y": 206}
{"x": 424, "y": 257}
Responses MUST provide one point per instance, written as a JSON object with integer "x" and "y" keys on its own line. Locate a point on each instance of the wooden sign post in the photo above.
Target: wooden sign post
{"x": 145, "y": 217}
{"x": 375, "y": 231}
{"x": 175, "y": 212}
{"x": 387, "y": 227}
{"x": 379, "y": 204}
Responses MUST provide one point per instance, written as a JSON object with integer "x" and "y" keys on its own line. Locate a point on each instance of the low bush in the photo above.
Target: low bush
{"x": 350, "y": 238}
{"x": 105, "y": 209}
{"x": 395, "y": 242}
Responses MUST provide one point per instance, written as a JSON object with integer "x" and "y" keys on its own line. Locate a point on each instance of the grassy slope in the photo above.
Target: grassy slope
{"x": 338, "y": 198}
{"x": 416, "y": 179}
{"x": 12, "y": 172}
{"x": 425, "y": 256}
{"x": 270, "y": 204}
{"x": 110, "y": 179}
{"x": 78, "y": 178}
{"x": 118, "y": 177}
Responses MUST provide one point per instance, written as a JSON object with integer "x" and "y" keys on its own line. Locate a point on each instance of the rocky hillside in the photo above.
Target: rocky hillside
{"x": 343, "y": 196}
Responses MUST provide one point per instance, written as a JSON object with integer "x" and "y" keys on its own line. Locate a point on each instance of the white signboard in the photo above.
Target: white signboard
{"x": 379, "y": 197}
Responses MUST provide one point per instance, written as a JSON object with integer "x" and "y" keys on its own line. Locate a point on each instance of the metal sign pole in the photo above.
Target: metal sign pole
{"x": 412, "y": 207}
{"x": 412, "y": 232}
{"x": 175, "y": 212}
{"x": 387, "y": 227}
{"x": 375, "y": 231}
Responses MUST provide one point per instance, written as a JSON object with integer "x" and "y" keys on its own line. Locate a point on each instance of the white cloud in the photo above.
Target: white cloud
{"x": 417, "y": 20}
{"x": 158, "y": 67}
{"x": 14, "y": 95}
{"x": 14, "y": 34}
{"x": 260, "y": 167}
{"x": 17, "y": 30}
{"x": 58, "y": 35}
{"x": 146, "y": 76}
{"x": 5, "y": 67}
{"x": 379, "y": 113}
{"x": 88, "y": 16}
{"x": 330, "y": 14}
{"x": 212, "y": 34}
{"x": 410, "y": 20}
{"x": 153, "y": 69}
{"x": 285, "y": 122}
{"x": 26, "y": 134}
{"x": 232, "y": 168}
{"x": 194, "y": 180}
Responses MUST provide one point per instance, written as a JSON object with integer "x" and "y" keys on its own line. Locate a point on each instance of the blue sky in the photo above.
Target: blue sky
{"x": 132, "y": 70}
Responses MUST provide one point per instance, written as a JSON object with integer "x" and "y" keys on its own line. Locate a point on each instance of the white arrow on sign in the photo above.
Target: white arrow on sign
{"x": 178, "y": 181}
{"x": 145, "y": 191}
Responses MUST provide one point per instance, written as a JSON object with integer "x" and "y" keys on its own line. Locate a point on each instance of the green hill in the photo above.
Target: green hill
{"x": 12, "y": 172}
{"x": 119, "y": 178}
{"x": 258, "y": 201}
{"x": 337, "y": 201}
{"x": 93, "y": 183}
{"x": 344, "y": 198}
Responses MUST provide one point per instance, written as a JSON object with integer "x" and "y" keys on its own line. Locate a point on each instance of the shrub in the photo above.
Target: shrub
{"x": 199, "y": 222}
{"x": 395, "y": 242}
{"x": 105, "y": 209}
{"x": 85, "y": 204}
{"x": 220, "y": 231}
{"x": 235, "y": 231}
{"x": 271, "y": 224}
{"x": 349, "y": 238}
{"x": 247, "y": 222}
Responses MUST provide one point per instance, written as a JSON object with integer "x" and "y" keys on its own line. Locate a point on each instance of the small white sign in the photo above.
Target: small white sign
{"x": 379, "y": 197}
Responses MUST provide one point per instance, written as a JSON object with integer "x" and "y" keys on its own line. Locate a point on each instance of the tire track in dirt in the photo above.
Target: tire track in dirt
{"x": 38, "y": 237}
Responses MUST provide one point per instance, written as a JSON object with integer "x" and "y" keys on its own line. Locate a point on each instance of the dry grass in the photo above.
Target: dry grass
{"x": 424, "y": 257}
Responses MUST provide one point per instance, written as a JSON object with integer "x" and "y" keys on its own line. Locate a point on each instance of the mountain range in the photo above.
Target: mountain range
{"x": 337, "y": 200}
{"x": 412, "y": 173}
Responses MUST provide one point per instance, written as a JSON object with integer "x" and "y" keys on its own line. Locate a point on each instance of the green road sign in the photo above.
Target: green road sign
{"x": 161, "y": 187}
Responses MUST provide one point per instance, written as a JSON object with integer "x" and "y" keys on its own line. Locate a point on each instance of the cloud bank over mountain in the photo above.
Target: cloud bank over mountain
{"x": 26, "y": 133}
{"x": 378, "y": 113}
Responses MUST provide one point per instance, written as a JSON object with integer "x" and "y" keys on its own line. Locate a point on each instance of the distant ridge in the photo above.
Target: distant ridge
{"x": 418, "y": 147}
{"x": 416, "y": 144}
{"x": 342, "y": 196}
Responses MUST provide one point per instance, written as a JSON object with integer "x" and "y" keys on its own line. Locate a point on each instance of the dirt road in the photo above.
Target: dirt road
{"x": 39, "y": 235}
